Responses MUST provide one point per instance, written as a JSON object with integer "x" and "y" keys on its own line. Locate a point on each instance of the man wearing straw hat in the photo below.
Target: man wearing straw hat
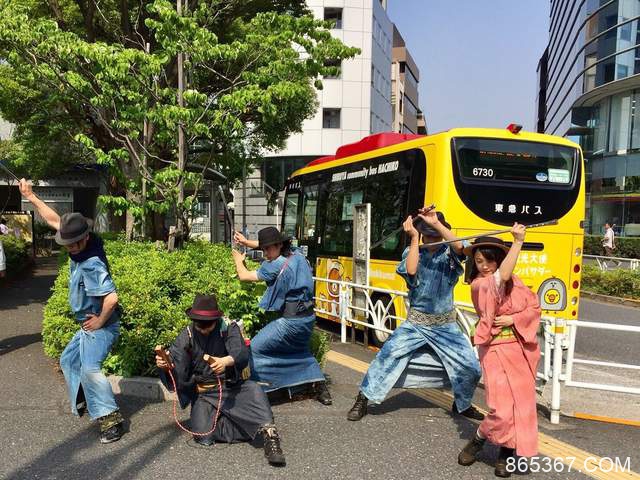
{"x": 94, "y": 302}
{"x": 428, "y": 350}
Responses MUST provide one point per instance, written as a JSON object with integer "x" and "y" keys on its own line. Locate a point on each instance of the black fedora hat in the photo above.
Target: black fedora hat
{"x": 427, "y": 230}
{"x": 204, "y": 309}
{"x": 270, "y": 236}
{"x": 73, "y": 228}
{"x": 494, "y": 242}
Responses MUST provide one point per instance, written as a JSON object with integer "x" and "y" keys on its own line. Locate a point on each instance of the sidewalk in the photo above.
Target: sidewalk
{"x": 408, "y": 436}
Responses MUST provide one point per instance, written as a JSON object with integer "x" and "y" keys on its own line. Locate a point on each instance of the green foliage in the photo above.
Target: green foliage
{"x": 17, "y": 253}
{"x": 616, "y": 283}
{"x": 320, "y": 345}
{"x": 626, "y": 247}
{"x": 155, "y": 288}
{"x": 80, "y": 85}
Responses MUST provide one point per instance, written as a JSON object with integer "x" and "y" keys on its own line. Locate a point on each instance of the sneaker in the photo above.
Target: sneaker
{"x": 112, "y": 434}
{"x": 272, "y": 448}
{"x": 468, "y": 454}
{"x": 359, "y": 408}
{"x": 204, "y": 441}
{"x": 472, "y": 412}
{"x": 501, "y": 464}
{"x": 323, "y": 395}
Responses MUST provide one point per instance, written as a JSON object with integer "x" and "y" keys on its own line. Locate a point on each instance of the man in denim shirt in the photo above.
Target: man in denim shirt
{"x": 93, "y": 300}
{"x": 428, "y": 350}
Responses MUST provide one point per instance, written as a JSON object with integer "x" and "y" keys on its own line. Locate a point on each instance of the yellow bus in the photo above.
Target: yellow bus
{"x": 482, "y": 179}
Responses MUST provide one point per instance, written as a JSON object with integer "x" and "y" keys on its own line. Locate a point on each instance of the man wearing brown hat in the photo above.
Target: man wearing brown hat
{"x": 94, "y": 302}
{"x": 428, "y": 350}
{"x": 206, "y": 361}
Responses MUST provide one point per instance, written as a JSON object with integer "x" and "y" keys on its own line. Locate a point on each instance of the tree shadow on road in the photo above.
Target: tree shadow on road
{"x": 10, "y": 344}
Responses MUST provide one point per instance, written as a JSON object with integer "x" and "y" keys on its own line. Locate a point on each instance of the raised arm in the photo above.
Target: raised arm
{"x": 45, "y": 211}
{"x": 242, "y": 240}
{"x": 430, "y": 216}
{"x": 244, "y": 274}
{"x": 509, "y": 262}
{"x": 414, "y": 248}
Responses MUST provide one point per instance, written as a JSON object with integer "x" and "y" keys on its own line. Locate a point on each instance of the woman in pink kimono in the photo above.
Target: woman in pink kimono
{"x": 506, "y": 336}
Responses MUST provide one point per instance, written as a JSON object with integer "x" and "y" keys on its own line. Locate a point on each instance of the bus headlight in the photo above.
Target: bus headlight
{"x": 578, "y": 252}
{"x": 574, "y": 300}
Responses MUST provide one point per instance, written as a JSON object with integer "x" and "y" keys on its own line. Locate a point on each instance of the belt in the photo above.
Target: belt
{"x": 205, "y": 387}
{"x": 297, "y": 309}
{"x": 421, "y": 318}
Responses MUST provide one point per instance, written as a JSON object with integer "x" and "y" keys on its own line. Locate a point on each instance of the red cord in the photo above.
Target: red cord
{"x": 175, "y": 408}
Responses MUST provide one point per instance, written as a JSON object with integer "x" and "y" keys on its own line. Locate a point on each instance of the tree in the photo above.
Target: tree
{"x": 100, "y": 80}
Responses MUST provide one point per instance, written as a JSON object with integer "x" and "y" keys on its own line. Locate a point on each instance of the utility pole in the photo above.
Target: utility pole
{"x": 145, "y": 143}
{"x": 181, "y": 147}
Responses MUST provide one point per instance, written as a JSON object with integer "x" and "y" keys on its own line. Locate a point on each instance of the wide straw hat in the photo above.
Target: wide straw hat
{"x": 493, "y": 242}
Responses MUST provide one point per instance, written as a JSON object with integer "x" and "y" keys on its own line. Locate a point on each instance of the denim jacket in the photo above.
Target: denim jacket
{"x": 288, "y": 279}
{"x": 431, "y": 288}
{"x": 89, "y": 282}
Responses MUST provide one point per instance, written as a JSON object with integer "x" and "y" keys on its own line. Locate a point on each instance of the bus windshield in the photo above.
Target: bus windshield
{"x": 486, "y": 159}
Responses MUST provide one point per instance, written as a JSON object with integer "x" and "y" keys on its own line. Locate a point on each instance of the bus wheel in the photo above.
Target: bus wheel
{"x": 380, "y": 302}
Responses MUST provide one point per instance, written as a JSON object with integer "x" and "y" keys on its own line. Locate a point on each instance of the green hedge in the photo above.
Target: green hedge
{"x": 626, "y": 247}
{"x": 17, "y": 252}
{"x": 617, "y": 283}
{"x": 155, "y": 288}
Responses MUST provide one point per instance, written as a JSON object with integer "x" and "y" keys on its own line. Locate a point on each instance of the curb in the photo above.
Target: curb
{"x": 147, "y": 388}
{"x": 608, "y": 299}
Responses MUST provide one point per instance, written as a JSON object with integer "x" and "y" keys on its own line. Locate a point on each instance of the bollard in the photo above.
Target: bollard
{"x": 557, "y": 370}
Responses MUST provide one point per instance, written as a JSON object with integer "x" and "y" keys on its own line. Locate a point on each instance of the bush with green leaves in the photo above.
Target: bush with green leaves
{"x": 617, "y": 283}
{"x": 17, "y": 253}
{"x": 626, "y": 247}
{"x": 155, "y": 288}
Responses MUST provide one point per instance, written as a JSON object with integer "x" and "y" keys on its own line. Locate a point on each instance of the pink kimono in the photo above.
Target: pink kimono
{"x": 509, "y": 359}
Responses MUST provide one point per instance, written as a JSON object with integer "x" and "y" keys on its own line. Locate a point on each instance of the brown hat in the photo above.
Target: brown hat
{"x": 494, "y": 242}
{"x": 427, "y": 230}
{"x": 204, "y": 309}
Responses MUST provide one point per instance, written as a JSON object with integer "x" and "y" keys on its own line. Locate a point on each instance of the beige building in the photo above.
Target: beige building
{"x": 405, "y": 75}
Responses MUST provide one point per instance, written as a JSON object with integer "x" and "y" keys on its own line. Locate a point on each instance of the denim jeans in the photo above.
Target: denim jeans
{"x": 420, "y": 356}
{"x": 81, "y": 363}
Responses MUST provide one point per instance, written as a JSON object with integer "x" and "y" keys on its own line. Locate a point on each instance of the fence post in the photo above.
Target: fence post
{"x": 343, "y": 313}
{"x": 557, "y": 370}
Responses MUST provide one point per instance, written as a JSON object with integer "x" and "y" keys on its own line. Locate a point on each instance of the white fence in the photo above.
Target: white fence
{"x": 606, "y": 263}
{"x": 557, "y": 335}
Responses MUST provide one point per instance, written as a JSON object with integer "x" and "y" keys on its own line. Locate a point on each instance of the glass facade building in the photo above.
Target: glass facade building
{"x": 589, "y": 90}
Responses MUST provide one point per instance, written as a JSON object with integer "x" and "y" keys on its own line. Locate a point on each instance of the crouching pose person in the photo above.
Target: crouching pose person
{"x": 245, "y": 411}
{"x": 507, "y": 338}
{"x": 428, "y": 350}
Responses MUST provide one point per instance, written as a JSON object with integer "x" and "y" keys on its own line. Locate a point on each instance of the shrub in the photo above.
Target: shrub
{"x": 155, "y": 288}
{"x": 17, "y": 253}
{"x": 616, "y": 283}
{"x": 626, "y": 247}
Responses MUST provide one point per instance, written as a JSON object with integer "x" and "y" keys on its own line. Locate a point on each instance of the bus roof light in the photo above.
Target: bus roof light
{"x": 514, "y": 128}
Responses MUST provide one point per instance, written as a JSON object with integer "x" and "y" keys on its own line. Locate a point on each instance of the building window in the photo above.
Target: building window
{"x": 330, "y": 118}
{"x": 334, "y": 15}
{"x": 336, "y": 64}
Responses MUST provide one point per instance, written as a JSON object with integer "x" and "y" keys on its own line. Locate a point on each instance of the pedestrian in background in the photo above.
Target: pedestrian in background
{"x": 3, "y": 261}
{"x": 4, "y": 230}
{"x": 608, "y": 242}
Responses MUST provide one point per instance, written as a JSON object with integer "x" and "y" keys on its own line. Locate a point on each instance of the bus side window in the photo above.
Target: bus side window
{"x": 309, "y": 213}
{"x": 291, "y": 203}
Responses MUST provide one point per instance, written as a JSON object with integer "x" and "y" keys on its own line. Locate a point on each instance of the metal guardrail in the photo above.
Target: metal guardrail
{"x": 605, "y": 263}
{"x": 342, "y": 308}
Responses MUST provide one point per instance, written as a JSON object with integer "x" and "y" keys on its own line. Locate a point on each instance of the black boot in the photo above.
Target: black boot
{"x": 472, "y": 412}
{"x": 359, "y": 408}
{"x": 468, "y": 454}
{"x": 501, "y": 464}
{"x": 111, "y": 427}
{"x": 272, "y": 449}
{"x": 323, "y": 395}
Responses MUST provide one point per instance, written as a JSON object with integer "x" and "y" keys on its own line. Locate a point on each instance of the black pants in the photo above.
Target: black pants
{"x": 245, "y": 408}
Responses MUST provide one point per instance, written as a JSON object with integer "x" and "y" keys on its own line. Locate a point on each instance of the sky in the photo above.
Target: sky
{"x": 477, "y": 58}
